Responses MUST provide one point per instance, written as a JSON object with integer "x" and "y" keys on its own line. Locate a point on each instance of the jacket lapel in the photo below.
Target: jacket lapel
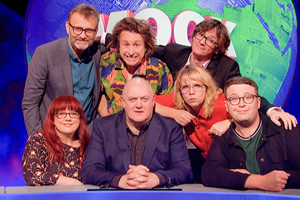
{"x": 153, "y": 136}
{"x": 66, "y": 66}
{"x": 123, "y": 141}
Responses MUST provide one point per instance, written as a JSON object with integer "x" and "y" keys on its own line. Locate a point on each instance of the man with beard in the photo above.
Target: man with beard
{"x": 68, "y": 65}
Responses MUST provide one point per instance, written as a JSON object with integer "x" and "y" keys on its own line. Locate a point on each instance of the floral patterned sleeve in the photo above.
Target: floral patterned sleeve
{"x": 35, "y": 163}
{"x": 166, "y": 79}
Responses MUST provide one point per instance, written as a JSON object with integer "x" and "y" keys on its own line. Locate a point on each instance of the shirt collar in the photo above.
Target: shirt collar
{"x": 204, "y": 65}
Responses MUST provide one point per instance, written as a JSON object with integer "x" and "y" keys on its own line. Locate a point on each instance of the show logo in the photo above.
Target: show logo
{"x": 263, "y": 33}
{"x": 179, "y": 31}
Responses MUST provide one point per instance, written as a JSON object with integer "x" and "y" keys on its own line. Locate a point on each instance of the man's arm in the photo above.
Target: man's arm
{"x": 102, "y": 108}
{"x": 216, "y": 166}
{"x": 276, "y": 114}
{"x": 179, "y": 169}
{"x": 274, "y": 181}
{"x": 34, "y": 91}
{"x": 94, "y": 170}
{"x": 160, "y": 53}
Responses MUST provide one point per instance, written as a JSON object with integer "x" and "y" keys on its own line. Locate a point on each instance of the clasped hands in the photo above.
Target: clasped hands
{"x": 138, "y": 177}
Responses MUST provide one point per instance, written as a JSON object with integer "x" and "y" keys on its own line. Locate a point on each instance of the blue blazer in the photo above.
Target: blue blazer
{"x": 108, "y": 153}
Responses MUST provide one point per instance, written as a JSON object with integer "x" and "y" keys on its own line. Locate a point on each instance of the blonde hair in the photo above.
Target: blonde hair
{"x": 196, "y": 73}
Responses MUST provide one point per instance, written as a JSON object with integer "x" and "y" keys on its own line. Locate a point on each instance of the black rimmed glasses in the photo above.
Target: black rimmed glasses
{"x": 78, "y": 30}
{"x": 197, "y": 88}
{"x": 63, "y": 115}
{"x": 249, "y": 98}
{"x": 208, "y": 41}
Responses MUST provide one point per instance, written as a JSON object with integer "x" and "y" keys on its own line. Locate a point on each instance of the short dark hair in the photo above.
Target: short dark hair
{"x": 86, "y": 10}
{"x": 240, "y": 80}
{"x": 136, "y": 26}
{"x": 222, "y": 33}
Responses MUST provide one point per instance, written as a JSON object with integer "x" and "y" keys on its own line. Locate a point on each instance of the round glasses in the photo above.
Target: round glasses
{"x": 186, "y": 88}
{"x": 208, "y": 41}
{"x": 78, "y": 30}
{"x": 63, "y": 115}
{"x": 249, "y": 98}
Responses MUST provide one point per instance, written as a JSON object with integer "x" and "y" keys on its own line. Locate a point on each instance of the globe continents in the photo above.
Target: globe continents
{"x": 263, "y": 33}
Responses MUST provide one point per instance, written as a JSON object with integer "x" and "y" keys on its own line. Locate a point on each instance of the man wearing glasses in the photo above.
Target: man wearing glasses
{"x": 65, "y": 66}
{"x": 254, "y": 153}
{"x": 210, "y": 41}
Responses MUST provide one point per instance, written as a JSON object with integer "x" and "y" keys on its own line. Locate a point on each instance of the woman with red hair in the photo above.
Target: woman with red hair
{"x": 54, "y": 156}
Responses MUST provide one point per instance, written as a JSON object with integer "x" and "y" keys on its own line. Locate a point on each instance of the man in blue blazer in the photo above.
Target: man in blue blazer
{"x": 65, "y": 66}
{"x": 136, "y": 148}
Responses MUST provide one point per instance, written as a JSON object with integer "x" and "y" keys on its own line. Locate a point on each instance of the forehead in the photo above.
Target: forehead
{"x": 78, "y": 19}
{"x": 130, "y": 36}
{"x": 186, "y": 81}
{"x": 138, "y": 89}
{"x": 211, "y": 33}
{"x": 240, "y": 89}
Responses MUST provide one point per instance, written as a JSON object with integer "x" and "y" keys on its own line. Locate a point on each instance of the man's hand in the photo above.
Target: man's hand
{"x": 102, "y": 107}
{"x": 288, "y": 119}
{"x": 220, "y": 128}
{"x": 274, "y": 181}
{"x": 124, "y": 184}
{"x": 139, "y": 177}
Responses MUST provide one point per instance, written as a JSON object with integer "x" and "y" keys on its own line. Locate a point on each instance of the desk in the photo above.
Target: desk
{"x": 190, "y": 192}
{"x": 1, "y": 190}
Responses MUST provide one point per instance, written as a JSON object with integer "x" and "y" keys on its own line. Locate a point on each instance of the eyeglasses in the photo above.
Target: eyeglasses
{"x": 63, "y": 115}
{"x": 249, "y": 98}
{"x": 197, "y": 88}
{"x": 78, "y": 30}
{"x": 209, "y": 41}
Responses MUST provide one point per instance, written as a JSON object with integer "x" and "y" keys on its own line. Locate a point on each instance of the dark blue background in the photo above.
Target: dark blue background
{"x": 13, "y": 73}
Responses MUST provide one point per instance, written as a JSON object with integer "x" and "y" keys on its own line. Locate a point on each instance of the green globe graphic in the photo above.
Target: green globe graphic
{"x": 264, "y": 37}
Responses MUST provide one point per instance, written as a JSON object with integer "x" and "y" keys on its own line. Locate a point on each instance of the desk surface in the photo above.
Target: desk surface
{"x": 185, "y": 187}
{"x": 1, "y": 190}
{"x": 190, "y": 192}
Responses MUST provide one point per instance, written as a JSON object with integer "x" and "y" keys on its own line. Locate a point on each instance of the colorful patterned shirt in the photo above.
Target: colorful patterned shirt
{"x": 114, "y": 75}
{"x": 37, "y": 169}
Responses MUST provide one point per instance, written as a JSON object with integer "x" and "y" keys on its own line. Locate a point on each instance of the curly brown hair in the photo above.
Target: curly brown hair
{"x": 136, "y": 26}
{"x": 222, "y": 33}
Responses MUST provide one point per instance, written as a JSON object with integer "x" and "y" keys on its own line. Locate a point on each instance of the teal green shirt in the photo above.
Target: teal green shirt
{"x": 250, "y": 145}
{"x": 83, "y": 76}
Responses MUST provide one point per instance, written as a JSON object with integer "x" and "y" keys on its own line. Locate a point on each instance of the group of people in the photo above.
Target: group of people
{"x": 114, "y": 119}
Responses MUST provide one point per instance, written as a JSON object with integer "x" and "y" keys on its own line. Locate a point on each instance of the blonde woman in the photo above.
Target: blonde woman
{"x": 197, "y": 97}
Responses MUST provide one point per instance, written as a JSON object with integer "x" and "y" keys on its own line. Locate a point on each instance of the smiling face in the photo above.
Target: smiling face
{"x": 243, "y": 113}
{"x": 67, "y": 126}
{"x": 132, "y": 48}
{"x": 195, "y": 95}
{"x": 138, "y": 102}
{"x": 81, "y": 42}
{"x": 201, "y": 49}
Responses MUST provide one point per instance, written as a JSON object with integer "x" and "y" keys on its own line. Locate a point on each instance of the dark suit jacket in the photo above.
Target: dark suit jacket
{"x": 49, "y": 76}
{"x": 221, "y": 67}
{"x": 109, "y": 155}
{"x": 277, "y": 150}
